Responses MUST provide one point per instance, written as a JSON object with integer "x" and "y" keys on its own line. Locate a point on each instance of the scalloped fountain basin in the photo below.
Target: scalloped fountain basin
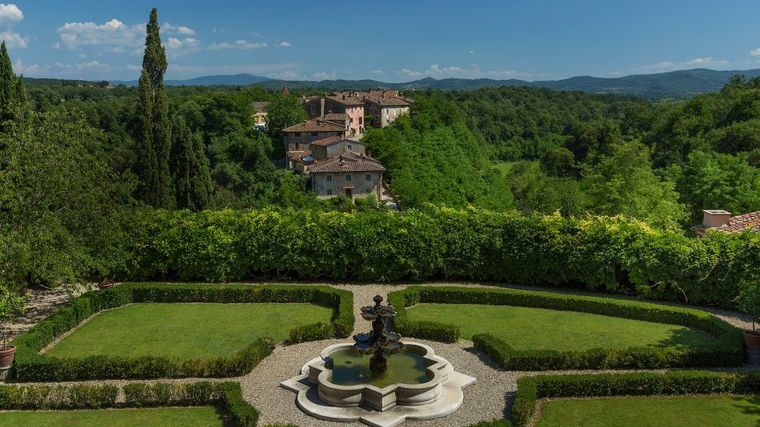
{"x": 408, "y": 366}
{"x": 414, "y": 377}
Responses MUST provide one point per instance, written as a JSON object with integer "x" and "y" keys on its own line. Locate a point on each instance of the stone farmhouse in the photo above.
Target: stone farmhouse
{"x": 349, "y": 174}
{"x": 377, "y": 108}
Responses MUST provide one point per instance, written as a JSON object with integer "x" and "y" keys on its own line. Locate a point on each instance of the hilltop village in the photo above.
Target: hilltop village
{"x": 328, "y": 148}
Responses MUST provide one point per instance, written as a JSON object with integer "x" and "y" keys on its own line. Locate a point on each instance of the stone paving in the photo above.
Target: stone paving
{"x": 489, "y": 398}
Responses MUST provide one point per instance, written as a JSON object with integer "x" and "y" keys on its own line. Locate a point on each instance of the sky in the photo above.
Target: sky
{"x": 390, "y": 40}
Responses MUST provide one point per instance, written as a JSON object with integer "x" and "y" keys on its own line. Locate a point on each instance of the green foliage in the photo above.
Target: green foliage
{"x": 535, "y": 192}
{"x": 31, "y": 366}
{"x": 283, "y": 111}
{"x": 12, "y": 93}
{"x": 728, "y": 351}
{"x": 624, "y": 183}
{"x": 192, "y": 179}
{"x": 79, "y": 396}
{"x": 748, "y": 300}
{"x": 154, "y": 130}
{"x": 530, "y": 389}
{"x": 58, "y": 196}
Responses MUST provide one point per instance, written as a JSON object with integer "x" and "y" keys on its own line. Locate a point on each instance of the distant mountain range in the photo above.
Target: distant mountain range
{"x": 674, "y": 84}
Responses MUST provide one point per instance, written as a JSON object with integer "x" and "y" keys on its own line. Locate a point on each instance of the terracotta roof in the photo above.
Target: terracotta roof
{"x": 736, "y": 224}
{"x": 330, "y": 140}
{"x": 346, "y": 99}
{"x": 341, "y": 117}
{"x": 348, "y": 162}
{"x": 298, "y": 155}
{"x": 390, "y": 102}
{"x": 317, "y": 125}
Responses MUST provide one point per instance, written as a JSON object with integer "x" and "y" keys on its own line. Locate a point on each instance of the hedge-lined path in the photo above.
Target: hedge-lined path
{"x": 489, "y": 398}
{"x": 40, "y": 304}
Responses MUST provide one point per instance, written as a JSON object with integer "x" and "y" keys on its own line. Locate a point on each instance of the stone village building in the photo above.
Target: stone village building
{"x": 349, "y": 174}
{"x": 381, "y": 107}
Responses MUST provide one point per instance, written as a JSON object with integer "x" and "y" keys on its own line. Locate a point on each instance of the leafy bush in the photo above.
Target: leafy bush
{"x": 31, "y": 366}
{"x": 598, "y": 253}
{"x": 727, "y": 351}
{"x": 530, "y": 389}
{"x": 79, "y": 396}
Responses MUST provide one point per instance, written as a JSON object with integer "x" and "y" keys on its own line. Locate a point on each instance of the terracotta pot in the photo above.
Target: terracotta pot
{"x": 752, "y": 340}
{"x": 6, "y": 356}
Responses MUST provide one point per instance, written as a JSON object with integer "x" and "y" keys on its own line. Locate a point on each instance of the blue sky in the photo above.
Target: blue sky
{"x": 391, "y": 40}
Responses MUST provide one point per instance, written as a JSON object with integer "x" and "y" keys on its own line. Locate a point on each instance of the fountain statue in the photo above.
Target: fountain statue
{"x": 397, "y": 381}
{"x": 380, "y": 341}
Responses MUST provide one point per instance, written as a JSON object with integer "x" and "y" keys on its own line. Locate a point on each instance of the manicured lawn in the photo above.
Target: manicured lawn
{"x": 188, "y": 417}
{"x": 186, "y": 331}
{"x": 692, "y": 411}
{"x": 537, "y": 328}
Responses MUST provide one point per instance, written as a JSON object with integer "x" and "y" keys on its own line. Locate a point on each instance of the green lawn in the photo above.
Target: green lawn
{"x": 187, "y": 331}
{"x": 527, "y": 328}
{"x": 186, "y": 417}
{"x": 692, "y": 411}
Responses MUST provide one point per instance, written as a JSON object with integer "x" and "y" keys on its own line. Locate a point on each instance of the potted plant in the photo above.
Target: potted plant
{"x": 11, "y": 305}
{"x": 749, "y": 302}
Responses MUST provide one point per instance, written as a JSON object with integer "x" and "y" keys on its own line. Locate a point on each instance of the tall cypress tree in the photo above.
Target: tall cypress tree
{"x": 154, "y": 131}
{"x": 192, "y": 178}
{"x": 12, "y": 93}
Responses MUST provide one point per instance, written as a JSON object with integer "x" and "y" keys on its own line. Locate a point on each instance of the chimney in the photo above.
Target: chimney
{"x": 322, "y": 107}
{"x": 715, "y": 218}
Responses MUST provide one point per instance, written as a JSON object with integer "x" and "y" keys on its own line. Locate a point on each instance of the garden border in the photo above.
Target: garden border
{"x": 32, "y": 366}
{"x": 227, "y": 395}
{"x": 530, "y": 389}
{"x": 728, "y": 351}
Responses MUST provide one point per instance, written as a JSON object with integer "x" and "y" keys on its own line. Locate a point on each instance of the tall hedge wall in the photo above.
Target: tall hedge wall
{"x": 439, "y": 243}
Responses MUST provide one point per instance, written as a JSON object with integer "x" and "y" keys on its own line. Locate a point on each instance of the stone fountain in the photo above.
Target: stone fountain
{"x": 378, "y": 380}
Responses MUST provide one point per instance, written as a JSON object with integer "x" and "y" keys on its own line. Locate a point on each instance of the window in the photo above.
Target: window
{"x": 361, "y": 120}
{"x": 368, "y": 177}
{"x": 329, "y": 192}
{"x": 329, "y": 178}
{"x": 314, "y": 134}
{"x": 348, "y": 177}
{"x": 297, "y": 134}
{"x": 349, "y": 147}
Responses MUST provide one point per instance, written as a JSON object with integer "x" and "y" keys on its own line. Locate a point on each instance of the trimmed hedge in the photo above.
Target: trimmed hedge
{"x": 80, "y": 396}
{"x": 32, "y": 366}
{"x": 227, "y": 395}
{"x": 530, "y": 389}
{"x": 727, "y": 351}
{"x": 598, "y": 253}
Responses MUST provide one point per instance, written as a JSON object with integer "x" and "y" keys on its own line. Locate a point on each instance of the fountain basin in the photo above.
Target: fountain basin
{"x": 415, "y": 377}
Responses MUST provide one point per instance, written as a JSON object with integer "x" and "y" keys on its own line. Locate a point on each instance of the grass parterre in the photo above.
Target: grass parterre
{"x": 701, "y": 339}
{"x": 30, "y": 365}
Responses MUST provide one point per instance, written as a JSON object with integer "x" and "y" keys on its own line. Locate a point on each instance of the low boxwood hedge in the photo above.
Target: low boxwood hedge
{"x": 226, "y": 395}
{"x": 30, "y": 365}
{"x": 530, "y": 389}
{"x": 727, "y": 351}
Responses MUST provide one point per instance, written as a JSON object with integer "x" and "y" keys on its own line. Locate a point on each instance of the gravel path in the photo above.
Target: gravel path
{"x": 489, "y": 398}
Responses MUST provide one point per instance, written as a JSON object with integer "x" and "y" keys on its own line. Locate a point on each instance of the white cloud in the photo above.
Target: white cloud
{"x": 705, "y": 62}
{"x": 471, "y": 72}
{"x": 471, "y": 51}
{"x": 28, "y": 70}
{"x": 112, "y": 36}
{"x": 237, "y": 44}
{"x": 83, "y": 66}
{"x": 178, "y": 70}
{"x": 325, "y": 75}
{"x": 377, "y": 71}
{"x": 283, "y": 44}
{"x": 179, "y": 44}
{"x": 13, "y": 39}
{"x": 182, "y": 30}
{"x": 755, "y": 52}
{"x": 10, "y": 13}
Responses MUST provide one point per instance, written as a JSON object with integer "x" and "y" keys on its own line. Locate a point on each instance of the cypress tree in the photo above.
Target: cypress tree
{"x": 12, "y": 94}
{"x": 154, "y": 130}
{"x": 192, "y": 178}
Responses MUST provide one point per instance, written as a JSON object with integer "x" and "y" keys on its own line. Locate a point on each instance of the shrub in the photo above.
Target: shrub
{"x": 79, "y": 396}
{"x": 599, "y": 253}
{"x": 530, "y": 389}
{"x": 31, "y": 366}
{"x": 727, "y": 351}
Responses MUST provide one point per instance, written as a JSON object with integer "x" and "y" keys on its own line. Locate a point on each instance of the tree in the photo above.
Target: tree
{"x": 283, "y": 111}
{"x": 558, "y": 162}
{"x": 154, "y": 133}
{"x": 192, "y": 178}
{"x": 12, "y": 93}
{"x": 624, "y": 183}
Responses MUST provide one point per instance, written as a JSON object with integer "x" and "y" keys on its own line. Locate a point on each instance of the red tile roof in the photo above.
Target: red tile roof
{"x": 317, "y": 125}
{"x": 348, "y": 162}
{"x": 330, "y": 140}
{"x": 736, "y": 224}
